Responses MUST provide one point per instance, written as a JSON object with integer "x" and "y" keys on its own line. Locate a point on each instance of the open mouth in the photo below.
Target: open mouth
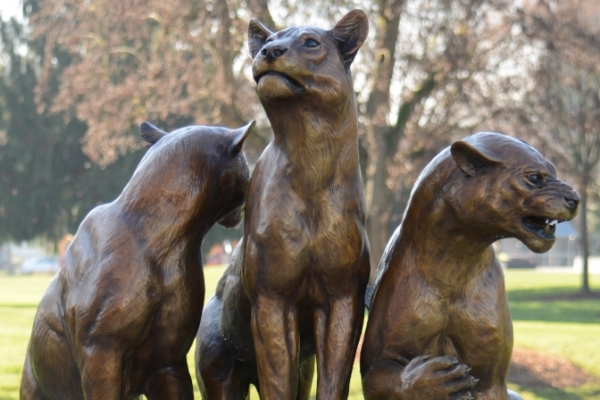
{"x": 543, "y": 227}
{"x": 293, "y": 84}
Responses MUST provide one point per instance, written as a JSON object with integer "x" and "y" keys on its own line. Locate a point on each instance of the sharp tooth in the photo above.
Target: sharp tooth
{"x": 546, "y": 221}
{"x": 554, "y": 222}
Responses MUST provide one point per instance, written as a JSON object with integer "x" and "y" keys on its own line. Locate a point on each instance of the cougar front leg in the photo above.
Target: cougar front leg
{"x": 173, "y": 382}
{"x": 276, "y": 342}
{"x": 101, "y": 374}
{"x": 337, "y": 331}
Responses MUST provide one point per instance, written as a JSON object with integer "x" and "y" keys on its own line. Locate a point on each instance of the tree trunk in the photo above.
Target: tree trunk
{"x": 584, "y": 247}
{"x": 378, "y": 197}
{"x": 9, "y": 265}
{"x": 383, "y": 142}
{"x": 378, "y": 107}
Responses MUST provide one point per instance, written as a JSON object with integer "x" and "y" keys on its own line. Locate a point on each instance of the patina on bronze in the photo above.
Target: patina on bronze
{"x": 305, "y": 256}
{"x": 439, "y": 324}
{"x": 120, "y": 316}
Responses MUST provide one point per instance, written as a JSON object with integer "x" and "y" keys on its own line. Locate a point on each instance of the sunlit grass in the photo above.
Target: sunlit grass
{"x": 566, "y": 328}
{"x": 570, "y": 329}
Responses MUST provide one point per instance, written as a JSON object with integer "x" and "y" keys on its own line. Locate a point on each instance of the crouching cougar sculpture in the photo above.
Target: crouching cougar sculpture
{"x": 121, "y": 314}
{"x": 439, "y": 324}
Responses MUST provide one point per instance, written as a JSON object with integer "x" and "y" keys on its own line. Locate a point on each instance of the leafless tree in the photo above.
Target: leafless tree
{"x": 434, "y": 79}
{"x": 562, "y": 109}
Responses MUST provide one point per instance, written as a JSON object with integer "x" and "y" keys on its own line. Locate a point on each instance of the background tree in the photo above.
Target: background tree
{"x": 47, "y": 184}
{"x": 171, "y": 62}
{"x": 562, "y": 109}
{"x": 442, "y": 59}
{"x": 432, "y": 71}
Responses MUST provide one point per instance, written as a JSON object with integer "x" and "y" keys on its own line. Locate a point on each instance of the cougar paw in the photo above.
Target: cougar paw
{"x": 443, "y": 378}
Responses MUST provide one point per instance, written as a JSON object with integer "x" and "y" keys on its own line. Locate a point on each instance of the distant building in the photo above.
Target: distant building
{"x": 14, "y": 255}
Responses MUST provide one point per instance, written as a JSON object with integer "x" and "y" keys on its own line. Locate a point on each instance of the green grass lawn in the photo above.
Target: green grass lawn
{"x": 567, "y": 328}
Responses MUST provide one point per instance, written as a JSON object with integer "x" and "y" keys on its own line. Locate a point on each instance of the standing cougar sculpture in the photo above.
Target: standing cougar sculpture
{"x": 296, "y": 290}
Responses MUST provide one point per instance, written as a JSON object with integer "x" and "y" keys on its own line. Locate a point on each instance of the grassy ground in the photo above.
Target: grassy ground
{"x": 545, "y": 319}
{"x": 563, "y": 327}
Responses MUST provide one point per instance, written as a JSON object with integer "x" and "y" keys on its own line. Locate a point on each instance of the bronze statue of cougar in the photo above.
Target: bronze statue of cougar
{"x": 439, "y": 324}
{"x": 296, "y": 290}
{"x": 120, "y": 316}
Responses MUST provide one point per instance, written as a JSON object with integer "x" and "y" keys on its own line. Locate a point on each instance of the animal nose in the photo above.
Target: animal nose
{"x": 572, "y": 201}
{"x": 272, "y": 51}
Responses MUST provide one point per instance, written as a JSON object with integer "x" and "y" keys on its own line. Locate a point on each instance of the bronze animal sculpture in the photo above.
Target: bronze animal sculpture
{"x": 297, "y": 289}
{"x": 439, "y": 324}
{"x": 120, "y": 316}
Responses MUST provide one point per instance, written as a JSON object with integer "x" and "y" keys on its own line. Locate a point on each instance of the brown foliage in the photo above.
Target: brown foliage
{"x": 139, "y": 60}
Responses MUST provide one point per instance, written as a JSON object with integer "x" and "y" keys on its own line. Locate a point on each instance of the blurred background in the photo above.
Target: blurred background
{"x": 78, "y": 77}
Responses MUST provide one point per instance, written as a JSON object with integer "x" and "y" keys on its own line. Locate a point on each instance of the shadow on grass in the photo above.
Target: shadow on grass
{"x": 551, "y": 294}
{"x": 548, "y": 393}
{"x": 551, "y": 393}
{"x": 559, "y": 304}
{"x": 18, "y": 306}
{"x": 551, "y": 376}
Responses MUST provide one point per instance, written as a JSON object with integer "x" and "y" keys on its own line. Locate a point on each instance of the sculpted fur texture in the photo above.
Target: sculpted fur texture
{"x": 120, "y": 316}
{"x": 295, "y": 292}
{"x": 439, "y": 324}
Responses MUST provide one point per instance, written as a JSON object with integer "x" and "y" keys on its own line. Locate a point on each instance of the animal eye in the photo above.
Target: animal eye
{"x": 534, "y": 178}
{"x": 311, "y": 43}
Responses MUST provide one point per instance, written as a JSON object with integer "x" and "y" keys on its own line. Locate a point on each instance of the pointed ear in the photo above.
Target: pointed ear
{"x": 257, "y": 36}
{"x": 470, "y": 160}
{"x": 240, "y": 135}
{"x": 151, "y": 133}
{"x": 350, "y": 33}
